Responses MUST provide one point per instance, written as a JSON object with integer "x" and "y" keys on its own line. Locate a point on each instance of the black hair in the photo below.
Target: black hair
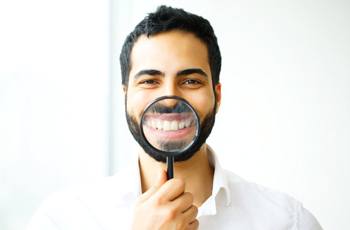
{"x": 166, "y": 19}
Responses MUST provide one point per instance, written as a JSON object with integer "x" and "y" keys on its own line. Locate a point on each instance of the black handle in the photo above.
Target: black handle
{"x": 170, "y": 164}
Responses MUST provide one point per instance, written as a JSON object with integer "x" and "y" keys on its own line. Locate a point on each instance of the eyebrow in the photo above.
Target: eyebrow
{"x": 151, "y": 72}
{"x": 192, "y": 71}
{"x": 184, "y": 72}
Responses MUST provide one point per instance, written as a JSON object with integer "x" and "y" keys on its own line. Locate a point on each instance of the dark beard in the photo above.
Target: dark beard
{"x": 206, "y": 128}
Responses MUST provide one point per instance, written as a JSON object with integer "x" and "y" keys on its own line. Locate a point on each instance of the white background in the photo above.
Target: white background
{"x": 284, "y": 121}
{"x": 54, "y": 100}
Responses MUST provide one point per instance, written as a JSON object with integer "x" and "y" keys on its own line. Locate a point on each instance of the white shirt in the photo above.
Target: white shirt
{"x": 234, "y": 204}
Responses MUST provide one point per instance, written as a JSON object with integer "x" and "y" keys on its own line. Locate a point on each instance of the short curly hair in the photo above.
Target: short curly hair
{"x": 166, "y": 19}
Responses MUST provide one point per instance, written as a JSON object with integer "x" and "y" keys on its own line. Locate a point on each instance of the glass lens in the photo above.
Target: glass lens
{"x": 170, "y": 125}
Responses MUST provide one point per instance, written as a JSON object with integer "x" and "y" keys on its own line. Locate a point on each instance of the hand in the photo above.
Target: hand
{"x": 165, "y": 206}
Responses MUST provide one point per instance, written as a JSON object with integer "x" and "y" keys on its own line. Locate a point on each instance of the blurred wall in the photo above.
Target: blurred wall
{"x": 284, "y": 120}
{"x": 54, "y": 100}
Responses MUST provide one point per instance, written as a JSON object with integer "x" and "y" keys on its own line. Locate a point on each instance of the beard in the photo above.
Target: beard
{"x": 204, "y": 132}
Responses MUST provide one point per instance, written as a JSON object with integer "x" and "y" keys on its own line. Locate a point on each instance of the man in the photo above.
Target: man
{"x": 173, "y": 53}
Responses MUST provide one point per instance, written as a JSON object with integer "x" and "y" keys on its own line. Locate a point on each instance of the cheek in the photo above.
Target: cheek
{"x": 136, "y": 103}
{"x": 203, "y": 103}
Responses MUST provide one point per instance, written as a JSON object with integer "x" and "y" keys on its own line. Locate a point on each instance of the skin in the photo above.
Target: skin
{"x": 171, "y": 56}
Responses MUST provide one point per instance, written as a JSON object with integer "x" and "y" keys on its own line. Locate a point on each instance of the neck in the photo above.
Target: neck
{"x": 192, "y": 171}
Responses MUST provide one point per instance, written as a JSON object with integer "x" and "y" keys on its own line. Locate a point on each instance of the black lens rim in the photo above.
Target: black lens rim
{"x": 175, "y": 153}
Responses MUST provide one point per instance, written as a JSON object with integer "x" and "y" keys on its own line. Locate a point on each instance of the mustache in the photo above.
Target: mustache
{"x": 179, "y": 107}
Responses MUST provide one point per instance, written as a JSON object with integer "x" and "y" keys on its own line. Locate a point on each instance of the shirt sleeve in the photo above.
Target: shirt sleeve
{"x": 307, "y": 221}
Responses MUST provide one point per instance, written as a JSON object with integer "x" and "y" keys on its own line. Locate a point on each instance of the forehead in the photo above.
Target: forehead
{"x": 169, "y": 51}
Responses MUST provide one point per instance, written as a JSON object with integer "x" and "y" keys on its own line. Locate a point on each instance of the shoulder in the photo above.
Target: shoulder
{"x": 244, "y": 189}
{"x": 269, "y": 202}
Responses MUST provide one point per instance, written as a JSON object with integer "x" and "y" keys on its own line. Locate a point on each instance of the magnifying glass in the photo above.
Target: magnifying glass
{"x": 170, "y": 126}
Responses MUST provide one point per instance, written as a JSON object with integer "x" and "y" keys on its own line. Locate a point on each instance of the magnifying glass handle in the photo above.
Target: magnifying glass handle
{"x": 170, "y": 164}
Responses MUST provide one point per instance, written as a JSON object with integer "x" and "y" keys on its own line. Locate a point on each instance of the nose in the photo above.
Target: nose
{"x": 170, "y": 102}
{"x": 170, "y": 88}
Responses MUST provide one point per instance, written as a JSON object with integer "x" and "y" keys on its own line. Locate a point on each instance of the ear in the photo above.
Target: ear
{"x": 217, "y": 89}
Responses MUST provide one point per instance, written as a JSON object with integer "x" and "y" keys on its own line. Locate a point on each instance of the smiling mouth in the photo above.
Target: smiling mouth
{"x": 169, "y": 126}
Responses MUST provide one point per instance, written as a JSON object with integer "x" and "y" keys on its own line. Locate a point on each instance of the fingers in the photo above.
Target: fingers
{"x": 188, "y": 218}
{"x": 170, "y": 190}
{"x": 193, "y": 225}
{"x": 183, "y": 202}
{"x": 190, "y": 214}
{"x": 166, "y": 205}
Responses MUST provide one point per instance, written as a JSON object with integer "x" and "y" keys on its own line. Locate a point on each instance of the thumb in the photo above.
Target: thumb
{"x": 161, "y": 179}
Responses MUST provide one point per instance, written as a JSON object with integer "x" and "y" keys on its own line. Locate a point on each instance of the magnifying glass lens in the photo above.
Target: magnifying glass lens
{"x": 170, "y": 125}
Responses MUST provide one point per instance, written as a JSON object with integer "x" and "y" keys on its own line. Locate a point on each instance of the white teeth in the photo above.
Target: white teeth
{"x": 166, "y": 125}
{"x": 158, "y": 124}
{"x": 181, "y": 124}
{"x": 188, "y": 123}
{"x": 169, "y": 125}
{"x": 174, "y": 125}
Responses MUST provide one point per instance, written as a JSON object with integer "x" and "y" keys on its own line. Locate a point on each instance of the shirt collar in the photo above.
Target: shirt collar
{"x": 221, "y": 189}
{"x": 220, "y": 181}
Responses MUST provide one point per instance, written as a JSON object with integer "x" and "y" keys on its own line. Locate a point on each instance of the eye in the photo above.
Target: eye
{"x": 192, "y": 83}
{"x": 148, "y": 83}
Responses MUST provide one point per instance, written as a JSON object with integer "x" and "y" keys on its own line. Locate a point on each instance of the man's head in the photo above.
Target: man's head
{"x": 171, "y": 52}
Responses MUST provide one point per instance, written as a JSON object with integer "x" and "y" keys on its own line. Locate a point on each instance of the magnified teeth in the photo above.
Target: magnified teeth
{"x": 187, "y": 123}
{"x": 181, "y": 125}
{"x": 159, "y": 124}
{"x": 166, "y": 125}
{"x": 174, "y": 125}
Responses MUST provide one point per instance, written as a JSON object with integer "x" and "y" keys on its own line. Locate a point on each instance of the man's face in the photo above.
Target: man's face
{"x": 172, "y": 63}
